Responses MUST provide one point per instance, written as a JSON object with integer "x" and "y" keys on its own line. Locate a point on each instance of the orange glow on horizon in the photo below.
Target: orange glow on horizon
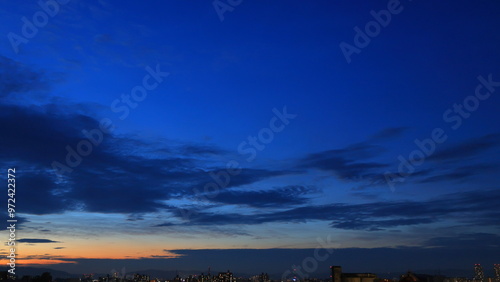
{"x": 37, "y": 261}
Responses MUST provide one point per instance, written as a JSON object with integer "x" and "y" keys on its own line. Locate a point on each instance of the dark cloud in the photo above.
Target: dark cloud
{"x": 282, "y": 197}
{"x": 41, "y": 138}
{"x": 471, "y": 152}
{"x": 36, "y": 241}
{"x": 110, "y": 177}
{"x": 348, "y": 163}
{"x": 135, "y": 217}
{"x": 17, "y": 78}
{"x": 450, "y": 174}
{"x": 454, "y": 174}
{"x": 39, "y": 194}
{"x": 244, "y": 177}
{"x": 468, "y": 148}
{"x": 355, "y": 162}
{"x": 165, "y": 224}
{"x": 201, "y": 150}
{"x": 371, "y": 216}
{"x": 377, "y": 225}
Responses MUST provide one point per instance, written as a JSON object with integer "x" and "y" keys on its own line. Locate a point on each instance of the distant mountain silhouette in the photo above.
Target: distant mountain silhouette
{"x": 34, "y": 271}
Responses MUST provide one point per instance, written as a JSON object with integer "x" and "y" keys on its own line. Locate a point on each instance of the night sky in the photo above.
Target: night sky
{"x": 252, "y": 135}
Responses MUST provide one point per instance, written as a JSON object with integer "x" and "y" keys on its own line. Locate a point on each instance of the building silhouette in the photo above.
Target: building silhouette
{"x": 496, "y": 269}
{"x": 337, "y": 276}
{"x": 478, "y": 273}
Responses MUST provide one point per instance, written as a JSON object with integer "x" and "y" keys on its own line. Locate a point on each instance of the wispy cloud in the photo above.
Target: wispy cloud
{"x": 373, "y": 216}
{"x": 468, "y": 148}
{"x": 36, "y": 241}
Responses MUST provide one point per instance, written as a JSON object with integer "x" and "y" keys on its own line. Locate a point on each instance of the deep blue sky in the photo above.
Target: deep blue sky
{"x": 335, "y": 168}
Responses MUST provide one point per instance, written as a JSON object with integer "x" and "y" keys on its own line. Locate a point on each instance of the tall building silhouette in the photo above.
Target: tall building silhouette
{"x": 478, "y": 273}
{"x": 496, "y": 268}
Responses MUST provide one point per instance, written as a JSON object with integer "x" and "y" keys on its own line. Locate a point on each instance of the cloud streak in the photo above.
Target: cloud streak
{"x": 374, "y": 216}
{"x": 36, "y": 241}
